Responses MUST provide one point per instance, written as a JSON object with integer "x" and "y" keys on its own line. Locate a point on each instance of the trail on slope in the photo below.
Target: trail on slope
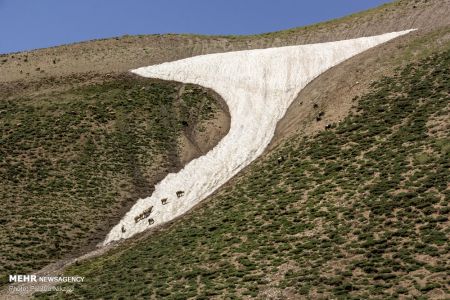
{"x": 258, "y": 87}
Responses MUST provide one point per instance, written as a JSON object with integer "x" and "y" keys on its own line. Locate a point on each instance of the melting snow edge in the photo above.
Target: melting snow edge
{"x": 258, "y": 87}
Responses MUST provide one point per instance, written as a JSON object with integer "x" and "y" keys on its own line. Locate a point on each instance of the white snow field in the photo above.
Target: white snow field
{"x": 258, "y": 87}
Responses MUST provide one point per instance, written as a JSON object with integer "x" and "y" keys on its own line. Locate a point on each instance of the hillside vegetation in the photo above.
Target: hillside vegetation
{"x": 357, "y": 211}
{"x": 72, "y": 161}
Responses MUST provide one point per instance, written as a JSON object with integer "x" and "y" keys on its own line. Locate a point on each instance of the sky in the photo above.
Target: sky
{"x": 31, "y": 24}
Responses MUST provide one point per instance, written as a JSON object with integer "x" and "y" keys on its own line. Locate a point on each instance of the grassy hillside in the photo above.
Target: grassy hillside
{"x": 82, "y": 140}
{"x": 358, "y": 211}
{"x": 68, "y": 156}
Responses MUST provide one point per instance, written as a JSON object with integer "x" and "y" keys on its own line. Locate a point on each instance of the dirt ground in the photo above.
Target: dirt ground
{"x": 197, "y": 141}
{"x": 128, "y": 52}
{"x": 333, "y": 94}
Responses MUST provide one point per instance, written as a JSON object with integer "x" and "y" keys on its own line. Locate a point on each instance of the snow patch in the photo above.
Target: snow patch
{"x": 258, "y": 87}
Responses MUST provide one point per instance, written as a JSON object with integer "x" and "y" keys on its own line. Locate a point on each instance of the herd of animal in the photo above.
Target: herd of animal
{"x": 146, "y": 213}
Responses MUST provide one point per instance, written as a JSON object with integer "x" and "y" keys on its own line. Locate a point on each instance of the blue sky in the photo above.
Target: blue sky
{"x": 31, "y": 24}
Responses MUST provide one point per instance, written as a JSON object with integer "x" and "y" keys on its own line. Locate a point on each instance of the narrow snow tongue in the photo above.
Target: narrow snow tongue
{"x": 258, "y": 87}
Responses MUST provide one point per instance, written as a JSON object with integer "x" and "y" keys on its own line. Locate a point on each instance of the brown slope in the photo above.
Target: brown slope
{"x": 124, "y": 53}
{"x": 329, "y": 98}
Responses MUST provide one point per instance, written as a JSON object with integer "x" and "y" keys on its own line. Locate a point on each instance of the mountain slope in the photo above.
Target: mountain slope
{"x": 73, "y": 151}
{"x": 47, "y": 74}
{"x": 358, "y": 211}
{"x": 258, "y": 87}
{"x": 129, "y": 52}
